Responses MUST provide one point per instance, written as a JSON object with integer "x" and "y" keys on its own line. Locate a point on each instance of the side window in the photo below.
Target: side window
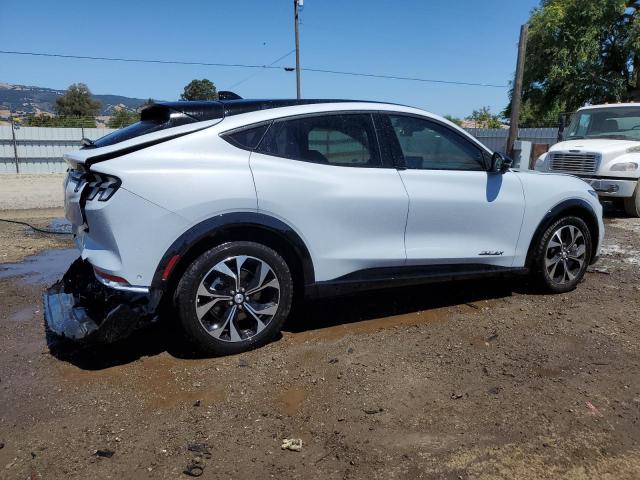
{"x": 426, "y": 145}
{"x": 341, "y": 139}
{"x": 247, "y": 138}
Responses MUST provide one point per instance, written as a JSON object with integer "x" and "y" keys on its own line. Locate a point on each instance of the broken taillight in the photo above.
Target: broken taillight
{"x": 102, "y": 275}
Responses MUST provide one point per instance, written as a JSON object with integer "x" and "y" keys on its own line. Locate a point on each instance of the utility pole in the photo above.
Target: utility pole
{"x": 516, "y": 98}
{"x": 15, "y": 145}
{"x": 296, "y": 7}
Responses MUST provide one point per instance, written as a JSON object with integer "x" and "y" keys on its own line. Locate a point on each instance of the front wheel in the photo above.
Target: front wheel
{"x": 632, "y": 204}
{"x": 563, "y": 255}
{"x": 234, "y": 297}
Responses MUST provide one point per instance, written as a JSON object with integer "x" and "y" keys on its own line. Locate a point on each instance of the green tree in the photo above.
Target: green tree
{"x": 580, "y": 52}
{"x": 77, "y": 102}
{"x": 122, "y": 118}
{"x": 483, "y": 118}
{"x": 453, "y": 119}
{"x": 44, "y": 120}
{"x": 200, "y": 90}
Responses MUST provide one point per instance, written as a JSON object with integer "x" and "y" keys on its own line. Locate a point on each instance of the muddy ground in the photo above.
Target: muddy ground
{"x": 458, "y": 381}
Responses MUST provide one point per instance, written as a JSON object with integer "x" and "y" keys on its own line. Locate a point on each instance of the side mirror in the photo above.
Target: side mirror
{"x": 500, "y": 163}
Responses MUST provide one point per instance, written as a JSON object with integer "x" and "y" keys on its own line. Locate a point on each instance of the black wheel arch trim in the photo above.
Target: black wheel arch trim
{"x": 555, "y": 213}
{"x": 216, "y": 225}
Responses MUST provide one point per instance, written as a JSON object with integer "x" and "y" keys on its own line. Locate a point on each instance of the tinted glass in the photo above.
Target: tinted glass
{"x": 427, "y": 145}
{"x": 345, "y": 140}
{"x": 621, "y": 123}
{"x": 247, "y": 138}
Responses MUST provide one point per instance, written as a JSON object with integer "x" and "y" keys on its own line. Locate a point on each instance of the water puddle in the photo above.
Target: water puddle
{"x": 60, "y": 225}
{"x": 46, "y": 267}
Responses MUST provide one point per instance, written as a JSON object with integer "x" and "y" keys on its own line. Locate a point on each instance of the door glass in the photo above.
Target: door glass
{"x": 344, "y": 140}
{"x": 426, "y": 145}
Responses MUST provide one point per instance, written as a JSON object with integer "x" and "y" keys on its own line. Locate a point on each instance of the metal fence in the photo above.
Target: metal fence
{"x": 496, "y": 138}
{"x": 40, "y": 149}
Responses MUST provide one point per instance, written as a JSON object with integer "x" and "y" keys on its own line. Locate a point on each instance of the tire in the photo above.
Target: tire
{"x": 218, "y": 318}
{"x": 555, "y": 249}
{"x": 632, "y": 204}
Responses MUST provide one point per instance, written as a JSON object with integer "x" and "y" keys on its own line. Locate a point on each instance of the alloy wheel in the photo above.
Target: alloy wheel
{"x": 237, "y": 298}
{"x": 565, "y": 254}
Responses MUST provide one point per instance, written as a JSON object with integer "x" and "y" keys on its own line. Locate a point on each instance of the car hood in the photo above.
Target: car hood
{"x": 596, "y": 145}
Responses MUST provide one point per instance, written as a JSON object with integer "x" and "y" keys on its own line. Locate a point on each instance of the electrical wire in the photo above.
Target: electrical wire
{"x": 41, "y": 230}
{"x": 242, "y": 65}
{"x": 258, "y": 73}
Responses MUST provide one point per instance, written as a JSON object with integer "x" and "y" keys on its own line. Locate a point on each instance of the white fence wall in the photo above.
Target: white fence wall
{"x": 40, "y": 149}
{"x": 496, "y": 138}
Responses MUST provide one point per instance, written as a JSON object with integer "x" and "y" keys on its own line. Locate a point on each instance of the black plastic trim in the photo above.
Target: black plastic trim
{"x": 392, "y": 277}
{"x": 599, "y": 177}
{"x": 555, "y": 213}
{"x": 215, "y": 225}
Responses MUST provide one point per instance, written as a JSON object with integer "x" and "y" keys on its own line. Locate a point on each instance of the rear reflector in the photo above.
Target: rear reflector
{"x": 169, "y": 267}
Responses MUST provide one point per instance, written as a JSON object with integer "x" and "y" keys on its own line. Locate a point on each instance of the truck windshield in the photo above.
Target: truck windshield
{"x": 617, "y": 123}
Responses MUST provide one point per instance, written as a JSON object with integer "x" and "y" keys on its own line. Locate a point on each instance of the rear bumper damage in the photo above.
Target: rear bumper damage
{"x": 79, "y": 307}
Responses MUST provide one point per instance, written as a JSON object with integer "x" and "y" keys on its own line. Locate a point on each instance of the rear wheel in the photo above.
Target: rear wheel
{"x": 563, "y": 255}
{"x": 234, "y": 297}
{"x": 632, "y": 204}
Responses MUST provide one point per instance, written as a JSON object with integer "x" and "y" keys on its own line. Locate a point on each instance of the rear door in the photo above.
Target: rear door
{"x": 459, "y": 213}
{"x": 324, "y": 176}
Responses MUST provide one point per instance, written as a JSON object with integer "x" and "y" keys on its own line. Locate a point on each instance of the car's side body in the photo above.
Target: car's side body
{"x": 345, "y": 227}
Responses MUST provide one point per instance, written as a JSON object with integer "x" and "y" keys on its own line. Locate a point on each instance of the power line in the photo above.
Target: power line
{"x": 258, "y": 73}
{"x": 135, "y": 60}
{"x": 395, "y": 77}
{"x": 243, "y": 65}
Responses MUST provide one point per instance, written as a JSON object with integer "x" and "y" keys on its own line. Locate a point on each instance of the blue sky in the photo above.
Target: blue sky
{"x": 466, "y": 40}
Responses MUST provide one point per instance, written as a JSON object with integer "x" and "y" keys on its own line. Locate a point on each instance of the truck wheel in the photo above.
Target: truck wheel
{"x": 563, "y": 255}
{"x": 234, "y": 297}
{"x": 632, "y": 204}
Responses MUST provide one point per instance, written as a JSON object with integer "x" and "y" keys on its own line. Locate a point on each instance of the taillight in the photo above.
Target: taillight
{"x": 107, "y": 278}
{"x": 101, "y": 186}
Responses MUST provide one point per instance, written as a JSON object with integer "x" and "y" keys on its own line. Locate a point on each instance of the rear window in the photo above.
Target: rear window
{"x": 152, "y": 119}
{"x": 346, "y": 140}
{"x": 247, "y": 138}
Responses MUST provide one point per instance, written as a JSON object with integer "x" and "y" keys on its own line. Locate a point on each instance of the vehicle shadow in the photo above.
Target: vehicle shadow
{"x": 164, "y": 336}
{"x": 613, "y": 210}
{"x": 329, "y": 312}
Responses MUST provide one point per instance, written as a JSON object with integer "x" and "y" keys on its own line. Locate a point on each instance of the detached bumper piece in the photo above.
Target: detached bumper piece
{"x": 80, "y": 308}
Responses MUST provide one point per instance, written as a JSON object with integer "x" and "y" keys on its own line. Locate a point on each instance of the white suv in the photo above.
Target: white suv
{"x": 229, "y": 210}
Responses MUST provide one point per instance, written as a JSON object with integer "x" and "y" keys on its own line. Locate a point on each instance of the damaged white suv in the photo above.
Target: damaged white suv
{"x": 228, "y": 210}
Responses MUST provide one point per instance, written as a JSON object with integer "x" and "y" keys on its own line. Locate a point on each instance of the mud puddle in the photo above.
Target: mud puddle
{"x": 44, "y": 268}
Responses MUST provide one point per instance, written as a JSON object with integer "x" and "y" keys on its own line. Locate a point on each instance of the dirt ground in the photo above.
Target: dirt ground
{"x": 31, "y": 190}
{"x": 457, "y": 381}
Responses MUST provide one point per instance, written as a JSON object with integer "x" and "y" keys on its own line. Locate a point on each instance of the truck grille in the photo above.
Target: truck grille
{"x": 577, "y": 163}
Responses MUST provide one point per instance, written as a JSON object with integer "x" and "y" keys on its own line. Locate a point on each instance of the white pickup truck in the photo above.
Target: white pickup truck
{"x": 602, "y": 146}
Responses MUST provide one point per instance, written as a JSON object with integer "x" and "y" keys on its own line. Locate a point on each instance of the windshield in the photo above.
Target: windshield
{"x": 618, "y": 123}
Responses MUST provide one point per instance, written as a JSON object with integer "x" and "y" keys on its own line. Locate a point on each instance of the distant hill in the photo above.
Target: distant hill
{"x": 27, "y": 99}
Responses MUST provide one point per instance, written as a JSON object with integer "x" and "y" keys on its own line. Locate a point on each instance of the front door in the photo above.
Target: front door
{"x": 458, "y": 212}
